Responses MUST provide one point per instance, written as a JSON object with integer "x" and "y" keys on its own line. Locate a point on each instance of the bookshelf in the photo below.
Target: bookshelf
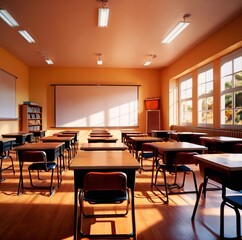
{"x": 31, "y": 118}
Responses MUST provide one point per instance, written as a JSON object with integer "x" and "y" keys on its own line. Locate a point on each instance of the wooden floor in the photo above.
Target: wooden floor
{"x": 35, "y": 215}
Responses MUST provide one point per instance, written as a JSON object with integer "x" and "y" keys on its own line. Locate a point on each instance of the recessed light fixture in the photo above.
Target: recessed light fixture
{"x": 99, "y": 61}
{"x": 149, "y": 61}
{"x": 26, "y": 35}
{"x": 180, "y": 26}
{"x": 49, "y": 61}
{"x": 5, "y": 15}
{"x": 103, "y": 14}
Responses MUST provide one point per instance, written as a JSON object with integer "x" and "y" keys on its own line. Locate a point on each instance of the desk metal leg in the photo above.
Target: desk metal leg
{"x": 197, "y": 201}
{"x": 76, "y": 230}
{"x": 133, "y": 214}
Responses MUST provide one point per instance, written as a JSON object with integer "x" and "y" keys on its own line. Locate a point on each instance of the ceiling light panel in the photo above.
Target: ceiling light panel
{"x": 5, "y": 15}
{"x": 26, "y": 35}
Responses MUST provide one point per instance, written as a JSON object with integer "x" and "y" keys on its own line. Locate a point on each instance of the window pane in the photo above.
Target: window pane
{"x": 201, "y": 89}
{"x": 227, "y": 101}
{"x": 210, "y": 103}
{"x": 238, "y": 117}
{"x": 210, "y": 117}
{"x": 226, "y": 82}
{"x": 238, "y": 99}
{"x": 226, "y": 68}
{"x": 238, "y": 64}
{"x": 226, "y": 117}
{"x": 209, "y": 87}
{"x": 238, "y": 79}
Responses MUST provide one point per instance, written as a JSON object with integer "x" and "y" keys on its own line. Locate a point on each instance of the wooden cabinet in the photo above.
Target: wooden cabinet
{"x": 31, "y": 120}
{"x": 152, "y": 120}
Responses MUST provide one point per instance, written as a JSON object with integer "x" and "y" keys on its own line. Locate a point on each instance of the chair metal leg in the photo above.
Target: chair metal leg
{"x": 222, "y": 219}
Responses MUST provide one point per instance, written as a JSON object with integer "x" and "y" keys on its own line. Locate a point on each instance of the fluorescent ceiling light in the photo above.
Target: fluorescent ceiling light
{"x": 147, "y": 63}
{"x": 103, "y": 14}
{"x": 26, "y": 35}
{"x": 8, "y": 18}
{"x": 180, "y": 26}
{"x": 49, "y": 61}
{"x": 99, "y": 62}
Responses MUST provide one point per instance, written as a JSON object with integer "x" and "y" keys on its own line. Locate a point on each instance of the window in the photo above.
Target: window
{"x": 186, "y": 100}
{"x": 231, "y": 89}
{"x": 205, "y": 95}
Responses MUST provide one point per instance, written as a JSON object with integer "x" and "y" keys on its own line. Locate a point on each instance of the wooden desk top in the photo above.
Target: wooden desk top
{"x": 16, "y": 134}
{"x": 76, "y": 132}
{"x": 222, "y": 139}
{"x": 39, "y": 146}
{"x": 103, "y": 146}
{"x": 124, "y": 131}
{"x": 100, "y": 134}
{"x": 102, "y": 138}
{"x": 145, "y": 139}
{"x": 177, "y": 146}
{"x": 107, "y": 160}
{"x": 189, "y": 133}
{"x": 57, "y": 139}
{"x": 163, "y": 131}
{"x": 224, "y": 161}
{"x": 7, "y": 139}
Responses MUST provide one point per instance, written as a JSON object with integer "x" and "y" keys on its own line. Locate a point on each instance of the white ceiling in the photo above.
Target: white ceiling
{"x": 66, "y": 30}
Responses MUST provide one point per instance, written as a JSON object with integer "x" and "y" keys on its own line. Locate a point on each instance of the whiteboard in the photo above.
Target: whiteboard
{"x": 96, "y": 105}
{"x": 7, "y": 95}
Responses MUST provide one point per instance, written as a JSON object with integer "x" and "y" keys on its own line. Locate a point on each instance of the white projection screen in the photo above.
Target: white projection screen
{"x": 96, "y": 105}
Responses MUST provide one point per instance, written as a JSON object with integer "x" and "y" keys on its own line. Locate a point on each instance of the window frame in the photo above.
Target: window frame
{"x": 229, "y": 59}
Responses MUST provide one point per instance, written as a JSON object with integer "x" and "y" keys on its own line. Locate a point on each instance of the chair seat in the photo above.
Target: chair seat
{"x": 169, "y": 168}
{"x": 235, "y": 200}
{"x": 104, "y": 196}
{"x": 147, "y": 154}
{"x": 41, "y": 166}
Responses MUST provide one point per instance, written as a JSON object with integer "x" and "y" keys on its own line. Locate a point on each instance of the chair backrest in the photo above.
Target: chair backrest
{"x": 147, "y": 147}
{"x": 34, "y": 156}
{"x": 237, "y": 148}
{"x": 95, "y": 181}
{"x": 185, "y": 158}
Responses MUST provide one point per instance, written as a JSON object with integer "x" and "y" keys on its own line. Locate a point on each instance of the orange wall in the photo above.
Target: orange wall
{"x": 12, "y": 65}
{"x": 41, "y": 92}
{"x": 219, "y": 44}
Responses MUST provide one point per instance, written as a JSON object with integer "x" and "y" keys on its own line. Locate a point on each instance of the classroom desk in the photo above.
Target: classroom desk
{"x": 21, "y": 137}
{"x": 192, "y": 137}
{"x": 103, "y": 146}
{"x": 6, "y": 144}
{"x": 75, "y": 132}
{"x": 138, "y": 141}
{"x": 162, "y": 133}
{"x": 100, "y": 134}
{"x": 224, "y": 168}
{"x": 67, "y": 140}
{"x": 102, "y": 139}
{"x": 168, "y": 151}
{"x": 128, "y": 131}
{"x": 53, "y": 150}
{"x": 220, "y": 143}
{"x": 86, "y": 161}
{"x": 99, "y": 130}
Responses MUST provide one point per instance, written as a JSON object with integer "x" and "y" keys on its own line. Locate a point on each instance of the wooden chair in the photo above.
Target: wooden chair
{"x": 103, "y": 188}
{"x": 145, "y": 154}
{"x": 233, "y": 201}
{"x": 38, "y": 162}
{"x": 182, "y": 159}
